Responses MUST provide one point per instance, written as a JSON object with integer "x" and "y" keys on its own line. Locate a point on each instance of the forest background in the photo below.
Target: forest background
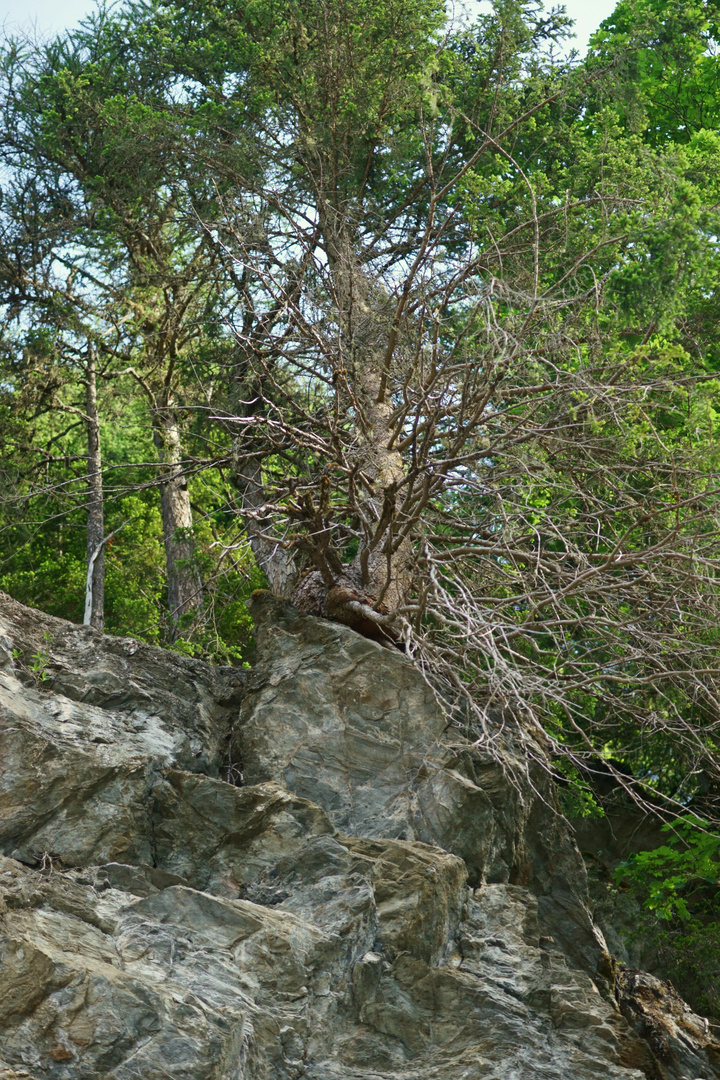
{"x": 410, "y": 315}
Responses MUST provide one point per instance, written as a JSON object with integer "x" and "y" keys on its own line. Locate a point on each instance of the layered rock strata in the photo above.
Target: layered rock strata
{"x": 366, "y": 900}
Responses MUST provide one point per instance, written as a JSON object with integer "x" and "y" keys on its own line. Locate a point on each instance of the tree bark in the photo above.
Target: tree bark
{"x": 365, "y": 593}
{"x": 384, "y": 574}
{"x": 95, "y": 587}
{"x": 381, "y": 571}
{"x": 184, "y": 583}
{"x": 276, "y": 562}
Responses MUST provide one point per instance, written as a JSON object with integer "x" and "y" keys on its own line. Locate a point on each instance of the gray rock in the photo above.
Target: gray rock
{"x": 679, "y": 1041}
{"x": 160, "y": 694}
{"x": 337, "y": 718}
{"x": 407, "y": 977}
{"x": 88, "y": 723}
{"x": 163, "y": 922}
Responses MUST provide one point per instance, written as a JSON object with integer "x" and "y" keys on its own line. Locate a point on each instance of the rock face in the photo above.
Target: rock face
{"x": 372, "y": 902}
{"x": 90, "y": 724}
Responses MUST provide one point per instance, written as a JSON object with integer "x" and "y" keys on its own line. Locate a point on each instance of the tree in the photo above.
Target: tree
{"x": 668, "y": 79}
{"x": 471, "y": 435}
{"x": 138, "y": 280}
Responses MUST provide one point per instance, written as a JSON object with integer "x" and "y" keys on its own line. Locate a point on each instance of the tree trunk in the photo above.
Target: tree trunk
{"x": 383, "y": 573}
{"x": 365, "y": 593}
{"x": 277, "y": 563}
{"x": 184, "y": 582}
{"x": 95, "y": 586}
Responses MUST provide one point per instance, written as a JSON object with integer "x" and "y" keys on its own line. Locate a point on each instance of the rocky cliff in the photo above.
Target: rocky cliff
{"x": 299, "y": 874}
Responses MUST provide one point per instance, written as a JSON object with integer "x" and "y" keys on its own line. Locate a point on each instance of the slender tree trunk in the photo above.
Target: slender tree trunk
{"x": 184, "y": 582}
{"x": 95, "y": 587}
{"x": 277, "y": 563}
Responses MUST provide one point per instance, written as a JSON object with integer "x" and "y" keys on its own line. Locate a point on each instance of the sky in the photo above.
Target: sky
{"x": 588, "y": 14}
{"x": 54, "y": 15}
